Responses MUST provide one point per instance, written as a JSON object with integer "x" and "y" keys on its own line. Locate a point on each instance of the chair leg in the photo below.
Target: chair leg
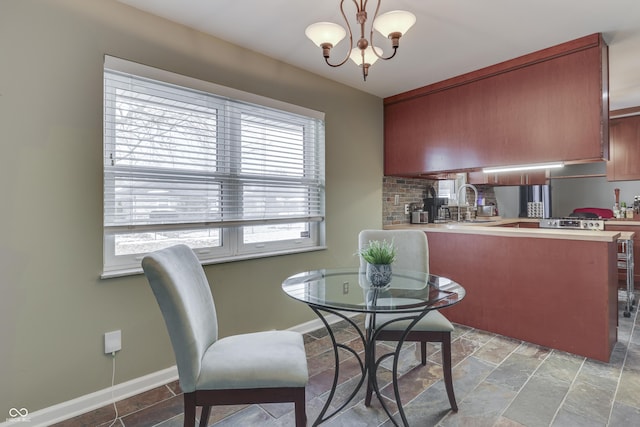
{"x": 446, "y": 368}
{"x": 300, "y": 409}
{"x": 204, "y": 416}
{"x": 423, "y": 352}
{"x": 189, "y": 410}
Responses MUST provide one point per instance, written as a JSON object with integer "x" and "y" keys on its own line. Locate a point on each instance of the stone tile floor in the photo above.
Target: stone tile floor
{"x": 498, "y": 381}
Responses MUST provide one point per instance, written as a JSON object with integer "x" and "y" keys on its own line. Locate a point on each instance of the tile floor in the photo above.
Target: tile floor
{"x": 498, "y": 381}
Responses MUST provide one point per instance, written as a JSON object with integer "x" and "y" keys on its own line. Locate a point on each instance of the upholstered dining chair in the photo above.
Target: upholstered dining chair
{"x": 261, "y": 367}
{"x": 412, "y": 253}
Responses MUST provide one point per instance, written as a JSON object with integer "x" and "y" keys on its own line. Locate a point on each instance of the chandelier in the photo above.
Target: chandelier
{"x": 392, "y": 25}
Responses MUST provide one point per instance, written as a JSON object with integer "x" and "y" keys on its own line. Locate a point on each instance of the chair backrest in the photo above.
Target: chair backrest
{"x": 412, "y": 248}
{"x": 183, "y": 294}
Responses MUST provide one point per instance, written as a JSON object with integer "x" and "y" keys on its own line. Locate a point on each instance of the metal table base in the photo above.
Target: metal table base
{"x": 368, "y": 366}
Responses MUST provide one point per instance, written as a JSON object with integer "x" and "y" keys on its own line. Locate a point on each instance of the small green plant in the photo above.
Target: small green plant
{"x": 379, "y": 252}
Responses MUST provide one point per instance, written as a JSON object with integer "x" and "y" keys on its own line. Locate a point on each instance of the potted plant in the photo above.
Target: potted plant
{"x": 379, "y": 255}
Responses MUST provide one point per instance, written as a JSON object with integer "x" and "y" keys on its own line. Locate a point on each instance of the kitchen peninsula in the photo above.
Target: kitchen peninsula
{"x": 556, "y": 288}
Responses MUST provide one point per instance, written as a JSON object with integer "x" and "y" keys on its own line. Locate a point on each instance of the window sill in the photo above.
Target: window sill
{"x": 134, "y": 271}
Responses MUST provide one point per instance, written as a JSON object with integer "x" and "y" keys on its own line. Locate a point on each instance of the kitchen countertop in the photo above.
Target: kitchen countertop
{"x": 499, "y": 227}
{"x": 614, "y": 221}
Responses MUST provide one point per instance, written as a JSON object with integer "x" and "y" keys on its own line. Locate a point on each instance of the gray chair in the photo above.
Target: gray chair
{"x": 413, "y": 254}
{"x": 262, "y": 367}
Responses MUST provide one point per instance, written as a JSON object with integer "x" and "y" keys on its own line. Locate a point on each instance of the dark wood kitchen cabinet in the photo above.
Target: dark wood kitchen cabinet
{"x": 624, "y": 143}
{"x": 531, "y": 178}
{"x": 552, "y": 292}
{"x": 551, "y": 105}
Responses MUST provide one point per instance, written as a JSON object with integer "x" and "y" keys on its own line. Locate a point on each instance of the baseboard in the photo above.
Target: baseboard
{"x": 312, "y": 325}
{"x": 89, "y": 402}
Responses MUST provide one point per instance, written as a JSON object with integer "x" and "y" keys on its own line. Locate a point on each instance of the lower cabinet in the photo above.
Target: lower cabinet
{"x": 556, "y": 293}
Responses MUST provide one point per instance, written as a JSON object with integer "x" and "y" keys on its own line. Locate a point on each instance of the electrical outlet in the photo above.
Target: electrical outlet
{"x": 112, "y": 342}
{"x": 406, "y": 209}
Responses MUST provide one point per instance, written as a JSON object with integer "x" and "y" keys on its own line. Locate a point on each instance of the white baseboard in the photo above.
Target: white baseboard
{"x": 89, "y": 402}
{"x": 312, "y": 325}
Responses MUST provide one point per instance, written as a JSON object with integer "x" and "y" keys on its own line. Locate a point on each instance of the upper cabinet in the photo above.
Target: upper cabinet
{"x": 624, "y": 134}
{"x": 551, "y": 105}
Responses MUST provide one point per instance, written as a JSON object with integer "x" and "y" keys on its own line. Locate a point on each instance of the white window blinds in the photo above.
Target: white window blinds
{"x": 177, "y": 156}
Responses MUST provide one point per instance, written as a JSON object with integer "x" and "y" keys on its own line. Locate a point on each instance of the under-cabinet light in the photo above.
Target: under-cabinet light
{"x": 516, "y": 168}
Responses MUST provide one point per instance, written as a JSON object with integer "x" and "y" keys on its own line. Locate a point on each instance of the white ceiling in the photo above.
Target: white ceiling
{"x": 450, "y": 37}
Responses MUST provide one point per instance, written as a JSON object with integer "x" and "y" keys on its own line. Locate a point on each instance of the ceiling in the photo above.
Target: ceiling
{"x": 450, "y": 37}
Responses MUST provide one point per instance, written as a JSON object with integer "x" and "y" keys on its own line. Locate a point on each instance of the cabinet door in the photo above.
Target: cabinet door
{"x": 536, "y": 178}
{"x": 624, "y": 141}
{"x": 510, "y": 179}
{"x": 477, "y": 178}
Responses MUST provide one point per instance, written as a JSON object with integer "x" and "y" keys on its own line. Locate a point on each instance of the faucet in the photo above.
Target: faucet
{"x": 475, "y": 201}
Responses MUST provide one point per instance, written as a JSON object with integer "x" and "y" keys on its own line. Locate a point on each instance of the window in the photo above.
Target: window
{"x": 184, "y": 163}
{"x": 448, "y": 188}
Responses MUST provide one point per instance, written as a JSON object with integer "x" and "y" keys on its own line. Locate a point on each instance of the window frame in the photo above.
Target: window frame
{"x": 233, "y": 247}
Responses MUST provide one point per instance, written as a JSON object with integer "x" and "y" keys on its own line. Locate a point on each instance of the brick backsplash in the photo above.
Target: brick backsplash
{"x": 410, "y": 190}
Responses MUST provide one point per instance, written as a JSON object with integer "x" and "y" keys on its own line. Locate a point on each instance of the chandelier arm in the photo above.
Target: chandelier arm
{"x": 395, "y": 49}
{"x": 363, "y": 6}
{"x": 335, "y": 65}
{"x": 384, "y": 58}
{"x": 346, "y": 21}
{"x": 375, "y": 15}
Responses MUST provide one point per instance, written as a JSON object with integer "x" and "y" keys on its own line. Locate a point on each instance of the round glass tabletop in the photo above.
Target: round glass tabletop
{"x": 348, "y": 289}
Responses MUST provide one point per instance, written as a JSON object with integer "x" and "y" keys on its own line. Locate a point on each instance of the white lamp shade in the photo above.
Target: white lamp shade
{"x": 325, "y": 32}
{"x": 396, "y": 21}
{"x": 369, "y": 57}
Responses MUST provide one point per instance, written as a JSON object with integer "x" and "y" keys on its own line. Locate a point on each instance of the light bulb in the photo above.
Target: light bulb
{"x": 369, "y": 57}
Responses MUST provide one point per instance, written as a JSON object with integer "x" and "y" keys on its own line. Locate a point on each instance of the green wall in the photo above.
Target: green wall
{"x": 54, "y": 309}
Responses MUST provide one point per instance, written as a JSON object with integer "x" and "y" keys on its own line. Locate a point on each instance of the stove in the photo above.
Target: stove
{"x": 573, "y": 223}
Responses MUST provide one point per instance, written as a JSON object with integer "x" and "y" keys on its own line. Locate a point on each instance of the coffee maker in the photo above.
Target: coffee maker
{"x": 432, "y": 206}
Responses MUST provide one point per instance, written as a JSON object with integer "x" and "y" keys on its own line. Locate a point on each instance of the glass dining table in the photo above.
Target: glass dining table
{"x": 343, "y": 292}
